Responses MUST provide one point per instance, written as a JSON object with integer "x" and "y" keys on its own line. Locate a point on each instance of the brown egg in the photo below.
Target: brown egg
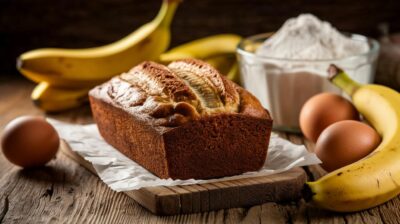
{"x": 29, "y": 141}
{"x": 345, "y": 142}
{"x": 322, "y": 110}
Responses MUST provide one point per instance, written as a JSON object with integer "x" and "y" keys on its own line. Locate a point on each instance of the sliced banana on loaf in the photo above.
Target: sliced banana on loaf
{"x": 225, "y": 90}
{"x": 174, "y": 94}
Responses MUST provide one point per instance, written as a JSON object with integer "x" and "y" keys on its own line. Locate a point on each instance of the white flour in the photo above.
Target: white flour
{"x": 283, "y": 86}
{"x": 307, "y": 37}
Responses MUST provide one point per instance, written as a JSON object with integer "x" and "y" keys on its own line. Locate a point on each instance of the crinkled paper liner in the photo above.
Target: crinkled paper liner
{"x": 122, "y": 174}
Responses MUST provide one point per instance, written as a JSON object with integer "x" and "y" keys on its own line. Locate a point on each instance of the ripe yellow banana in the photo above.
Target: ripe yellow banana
{"x": 223, "y": 63}
{"x": 234, "y": 74}
{"x": 55, "y": 99}
{"x": 203, "y": 48}
{"x": 226, "y": 65}
{"x": 218, "y": 50}
{"x": 374, "y": 179}
{"x": 88, "y": 67}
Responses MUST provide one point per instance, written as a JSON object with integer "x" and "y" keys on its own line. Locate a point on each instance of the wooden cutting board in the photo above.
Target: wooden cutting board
{"x": 195, "y": 198}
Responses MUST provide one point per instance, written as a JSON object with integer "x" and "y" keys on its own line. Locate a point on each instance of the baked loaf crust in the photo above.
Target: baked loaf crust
{"x": 182, "y": 121}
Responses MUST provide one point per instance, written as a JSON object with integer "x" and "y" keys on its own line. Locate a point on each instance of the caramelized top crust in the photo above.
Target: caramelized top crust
{"x": 228, "y": 94}
{"x": 170, "y": 96}
{"x": 157, "y": 80}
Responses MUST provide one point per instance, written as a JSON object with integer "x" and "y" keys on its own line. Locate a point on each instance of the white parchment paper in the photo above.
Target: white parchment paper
{"x": 122, "y": 174}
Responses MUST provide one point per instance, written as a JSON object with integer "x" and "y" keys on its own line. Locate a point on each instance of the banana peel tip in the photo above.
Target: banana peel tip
{"x": 333, "y": 71}
{"x": 307, "y": 193}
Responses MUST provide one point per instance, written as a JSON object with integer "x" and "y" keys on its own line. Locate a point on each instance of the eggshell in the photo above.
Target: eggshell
{"x": 29, "y": 141}
{"x": 322, "y": 110}
{"x": 345, "y": 142}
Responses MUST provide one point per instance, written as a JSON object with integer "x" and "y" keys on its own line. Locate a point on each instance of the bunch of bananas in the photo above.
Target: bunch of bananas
{"x": 217, "y": 50}
{"x": 65, "y": 76}
{"x": 374, "y": 179}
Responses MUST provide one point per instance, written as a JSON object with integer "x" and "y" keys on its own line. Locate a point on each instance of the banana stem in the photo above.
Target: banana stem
{"x": 340, "y": 79}
{"x": 167, "y": 12}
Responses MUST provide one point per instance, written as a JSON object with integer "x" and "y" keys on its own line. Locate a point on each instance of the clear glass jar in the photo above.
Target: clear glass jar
{"x": 284, "y": 85}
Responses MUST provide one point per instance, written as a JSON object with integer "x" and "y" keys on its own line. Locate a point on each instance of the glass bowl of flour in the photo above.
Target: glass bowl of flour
{"x": 284, "y": 69}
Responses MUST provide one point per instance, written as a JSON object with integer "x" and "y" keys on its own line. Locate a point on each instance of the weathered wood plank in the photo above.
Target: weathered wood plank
{"x": 223, "y": 194}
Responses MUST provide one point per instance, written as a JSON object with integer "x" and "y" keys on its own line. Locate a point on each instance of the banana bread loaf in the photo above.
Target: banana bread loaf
{"x": 182, "y": 121}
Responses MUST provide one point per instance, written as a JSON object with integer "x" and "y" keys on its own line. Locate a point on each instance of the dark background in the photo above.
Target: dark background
{"x": 29, "y": 24}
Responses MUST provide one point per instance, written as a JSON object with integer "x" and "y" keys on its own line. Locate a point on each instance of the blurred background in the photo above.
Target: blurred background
{"x": 27, "y": 24}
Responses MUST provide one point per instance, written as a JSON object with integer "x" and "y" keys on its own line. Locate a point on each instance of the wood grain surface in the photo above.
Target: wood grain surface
{"x": 243, "y": 192}
{"x": 65, "y": 192}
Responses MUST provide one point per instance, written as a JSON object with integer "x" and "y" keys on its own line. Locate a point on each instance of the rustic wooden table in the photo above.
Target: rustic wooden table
{"x": 65, "y": 192}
